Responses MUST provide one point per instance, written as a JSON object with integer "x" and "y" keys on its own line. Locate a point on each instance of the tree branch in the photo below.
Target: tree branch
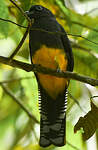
{"x": 21, "y": 10}
{"x": 37, "y": 68}
{"x": 21, "y": 43}
{"x": 19, "y": 103}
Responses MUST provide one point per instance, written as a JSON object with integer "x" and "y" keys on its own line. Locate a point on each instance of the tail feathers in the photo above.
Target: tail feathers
{"x": 52, "y": 133}
{"x": 53, "y": 118}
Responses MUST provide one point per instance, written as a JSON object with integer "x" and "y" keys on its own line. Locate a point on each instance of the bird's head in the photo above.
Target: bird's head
{"x": 37, "y": 11}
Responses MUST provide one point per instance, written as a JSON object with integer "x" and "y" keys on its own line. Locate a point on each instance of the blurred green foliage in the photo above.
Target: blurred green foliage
{"x": 4, "y": 26}
{"x": 17, "y": 130}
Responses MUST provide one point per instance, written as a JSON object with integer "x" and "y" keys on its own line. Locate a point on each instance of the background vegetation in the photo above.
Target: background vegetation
{"x": 19, "y": 131}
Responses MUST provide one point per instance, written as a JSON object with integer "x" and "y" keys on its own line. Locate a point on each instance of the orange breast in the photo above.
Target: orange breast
{"x": 54, "y": 59}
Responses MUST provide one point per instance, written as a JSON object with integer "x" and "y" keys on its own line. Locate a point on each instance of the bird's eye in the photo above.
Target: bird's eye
{"x": 39, "y": 8}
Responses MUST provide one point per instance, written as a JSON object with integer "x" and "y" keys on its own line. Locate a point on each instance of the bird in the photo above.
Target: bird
{"x": 50, "y": 48}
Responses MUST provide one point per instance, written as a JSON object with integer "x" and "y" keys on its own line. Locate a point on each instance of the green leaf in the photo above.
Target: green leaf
{"x": 7, "y": 130}
{"x": 4, "y": 26}
{"x": 1, "y": 90}
{"x": 31, "y": 92}
{"x": 85, "y": 63}
{"x": 75, "y": 90}
{"x": 73, "y": 138}
{"x": 64, "y": 9}
{"x": 1, "y": 93}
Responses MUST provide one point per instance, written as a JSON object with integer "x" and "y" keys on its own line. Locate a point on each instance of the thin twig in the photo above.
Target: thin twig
{"x": 19, "y": 102}
{"x": 83, "y": 38}
{"x": 94, "y": 9}
{"x": 83, "y": 25}
{"x": 16, "y": 79}
{"x": 72, "y": 146}
{"x": 21, "y": 43}
{"x": 76, "y": 101}
{"x": 7, "y": 20}
{"x": 21, "y": 10}
{"x": 50, "y": 32}
{"x": 80, "y": 24}
{"x": 77, "y": 47}
{"x": 93, "y": 97}
{"x": 37, "y": 68}
{"x": 61, "y": 33}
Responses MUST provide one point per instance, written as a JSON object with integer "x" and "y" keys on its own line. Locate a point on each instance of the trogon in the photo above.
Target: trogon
{"x": 50, "y": 48}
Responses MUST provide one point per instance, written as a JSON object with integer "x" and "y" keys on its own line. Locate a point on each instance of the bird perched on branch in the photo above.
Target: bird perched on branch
{"x": 50, "y": 47}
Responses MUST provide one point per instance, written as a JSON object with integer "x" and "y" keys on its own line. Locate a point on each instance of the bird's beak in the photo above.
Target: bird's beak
{"x": 29, "y": 14}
